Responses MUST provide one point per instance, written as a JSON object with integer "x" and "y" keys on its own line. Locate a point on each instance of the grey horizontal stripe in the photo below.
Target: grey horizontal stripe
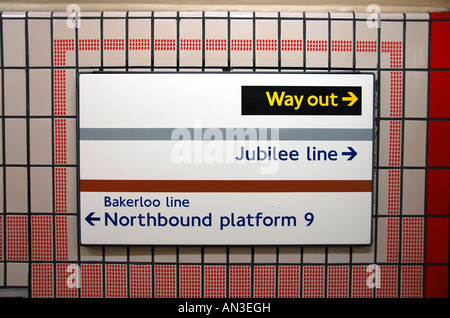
{"x": 224, "y": 134}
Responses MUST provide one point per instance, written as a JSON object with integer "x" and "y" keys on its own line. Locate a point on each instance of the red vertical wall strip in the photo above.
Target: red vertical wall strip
{"x": 438, "y": 182}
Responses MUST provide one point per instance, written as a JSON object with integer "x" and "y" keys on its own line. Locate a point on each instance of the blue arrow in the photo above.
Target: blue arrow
{"x": 90, "y": 218}
{"x": 352, "y": 153}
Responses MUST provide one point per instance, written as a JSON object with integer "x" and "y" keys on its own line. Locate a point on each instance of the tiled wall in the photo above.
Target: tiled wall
{"x": 40, "y": 57}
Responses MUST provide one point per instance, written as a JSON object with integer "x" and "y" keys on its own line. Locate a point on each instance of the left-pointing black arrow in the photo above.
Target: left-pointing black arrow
{"x": 90, "y": 218}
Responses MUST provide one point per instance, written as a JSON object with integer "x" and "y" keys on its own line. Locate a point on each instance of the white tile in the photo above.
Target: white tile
{"x": 41, "y": 189}
{"x": 313, "y": 255}
{"x": 266, "y": 43}
{"x": 64, "y": 43}
{"x": 382, "y": 238}
{"x": 341, "y": 43}
{"x": 72, "y": 191}
{"x": 39, "y": 42}
{"x": 15, "y": 91}
{"x": 216, "y": 42}
{"x": 91, "y": 253}
{"x": 115, "y": 253}
{"x": 316, "y": 43}
{"x": 15, "y": 141}
{"x": 71, "y": 141}
{"x": 191, "y": 42}
{"x": 413, "y": 192}
{"x": 240, "y": 255}
{"x": 40, "y": 90}
{"x": 16, "y": 189}
{"x": 292, "y": 43}
{"x": 242, "y": 42}
{"x": 189, "y": 255}
{"x": 264, "y": 255}
{"x": 416, "y": 89}
{"x": 391, "y": 44}
{"x": 14, "y": 42}
{"x": 40, "y": 141}
{"x": 165, "y": 42}
{"x": 89, "y": 45}
{"x": 114, "y": 45}
{"x": 140, "y": 42}
{"x": 164, "y": 254}
{"x": 416, "y": 46}
{"x": 1, "y": 162}
{"x": 417, "y": 15}
{"x": 289, "y": 254}
{"x": 391, "y": 15}
{"x": 414, "y": 143}
{"x": 72, "y": 238}
{"x": 17, "y": 274}
{"x": 215, "y": 255}
{"x": 140, "y": 254}
{"x": 366, "y": 46}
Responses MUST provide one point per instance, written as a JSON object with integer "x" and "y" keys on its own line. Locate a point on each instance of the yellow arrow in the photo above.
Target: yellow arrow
{"x": 352, "y": 99}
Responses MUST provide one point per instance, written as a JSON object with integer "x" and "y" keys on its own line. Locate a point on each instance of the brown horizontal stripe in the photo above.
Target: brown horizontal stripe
{"x": 225, "y": 185}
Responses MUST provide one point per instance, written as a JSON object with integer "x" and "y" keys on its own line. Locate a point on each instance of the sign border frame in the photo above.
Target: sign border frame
{"x": 374, "y": 135}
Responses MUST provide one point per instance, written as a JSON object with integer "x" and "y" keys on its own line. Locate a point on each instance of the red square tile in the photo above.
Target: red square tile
{"x": 438, "y": 192}
{"x": 436, "y": 281}
{"x": 437, "y": 240}
{"x": 440, "y": 45}
{"x": 440, "y": 15}
{"x": 439, "y": 102}
{"x": 439, "y": 144}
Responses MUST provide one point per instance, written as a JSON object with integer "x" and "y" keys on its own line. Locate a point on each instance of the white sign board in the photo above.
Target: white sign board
{"x": 225, "y": 158}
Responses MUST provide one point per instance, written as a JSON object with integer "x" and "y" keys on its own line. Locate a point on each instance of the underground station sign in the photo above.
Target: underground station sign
{"x": 225, "y": 158}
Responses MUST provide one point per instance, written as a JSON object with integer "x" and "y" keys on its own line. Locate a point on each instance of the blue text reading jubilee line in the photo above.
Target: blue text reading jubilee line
{"x": 159, "y": 220}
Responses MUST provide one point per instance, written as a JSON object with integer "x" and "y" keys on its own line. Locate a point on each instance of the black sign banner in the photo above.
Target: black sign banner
{"x": 301, "y": 100}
